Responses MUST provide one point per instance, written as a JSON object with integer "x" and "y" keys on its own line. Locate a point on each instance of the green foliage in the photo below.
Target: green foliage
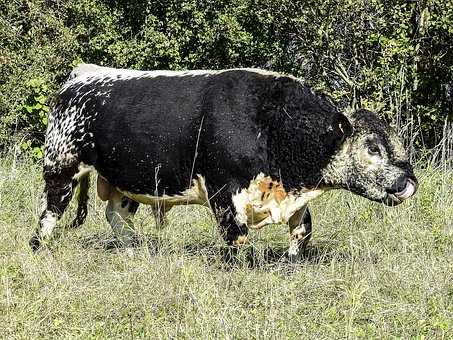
{"x": 391, "y": 56}
{"x": 34, "y": 116}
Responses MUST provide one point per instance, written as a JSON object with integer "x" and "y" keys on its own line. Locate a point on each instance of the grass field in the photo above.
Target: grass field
{"x": 370, "y": 272}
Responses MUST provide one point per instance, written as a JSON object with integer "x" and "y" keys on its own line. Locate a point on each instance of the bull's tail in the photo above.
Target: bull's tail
{"x": 82, "y": 202}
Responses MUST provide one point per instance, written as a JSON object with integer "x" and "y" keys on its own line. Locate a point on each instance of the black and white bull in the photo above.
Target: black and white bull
{"x": 255, "y": 146}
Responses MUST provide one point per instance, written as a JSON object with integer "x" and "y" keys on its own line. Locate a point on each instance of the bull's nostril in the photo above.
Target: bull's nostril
{"x": 402, "y": 184}
{"x": 399, "y": 185}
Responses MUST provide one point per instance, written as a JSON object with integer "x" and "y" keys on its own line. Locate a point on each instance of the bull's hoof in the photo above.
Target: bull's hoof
{"x": 229, "y": 255}
{"x": 240, "y": 241}
{"x": 296, "y": 254}
{"x": 35, "y": 243}
{"x": 294, "y": 258}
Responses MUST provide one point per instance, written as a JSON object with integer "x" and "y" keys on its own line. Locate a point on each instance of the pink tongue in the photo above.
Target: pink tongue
{"x": 407, "y": 192}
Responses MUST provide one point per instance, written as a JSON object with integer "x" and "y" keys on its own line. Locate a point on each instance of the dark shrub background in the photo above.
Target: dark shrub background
{"x": 394, "y": 57}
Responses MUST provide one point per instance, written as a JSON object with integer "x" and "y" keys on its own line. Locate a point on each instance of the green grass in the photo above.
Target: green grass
{"x": 371, "y": 272}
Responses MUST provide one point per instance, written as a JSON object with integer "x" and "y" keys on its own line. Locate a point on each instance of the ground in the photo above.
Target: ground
{"x": 371, "y": 272}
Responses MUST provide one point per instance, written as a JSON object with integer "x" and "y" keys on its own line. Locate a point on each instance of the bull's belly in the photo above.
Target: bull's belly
{"x": 263, "y": 202}
{"x": 196, "y": 194}
{"x": 156, "y": 177}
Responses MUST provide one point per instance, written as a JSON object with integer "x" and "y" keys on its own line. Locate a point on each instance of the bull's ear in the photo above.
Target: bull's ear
{"x": 340, "y": 129}
{"x": 344, "y": 126}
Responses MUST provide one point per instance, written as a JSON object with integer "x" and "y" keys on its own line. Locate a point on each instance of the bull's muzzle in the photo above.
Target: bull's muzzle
{"x": 407, "y": 188}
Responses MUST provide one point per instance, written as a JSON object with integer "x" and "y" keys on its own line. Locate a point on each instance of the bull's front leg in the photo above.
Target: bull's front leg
{"x": 232, "y": 230}
{"x": 234, "y": 233}
{"x": 300, "y": 233}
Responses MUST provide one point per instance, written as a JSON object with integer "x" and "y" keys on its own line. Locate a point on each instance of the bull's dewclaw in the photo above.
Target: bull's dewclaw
{"x": 255, "y": 146}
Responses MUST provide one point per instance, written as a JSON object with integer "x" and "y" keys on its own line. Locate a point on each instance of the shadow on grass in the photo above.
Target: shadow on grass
{"x": 249, "y": 256}
{"x": 263, "y": 256}
{"x": 109, "y": 242}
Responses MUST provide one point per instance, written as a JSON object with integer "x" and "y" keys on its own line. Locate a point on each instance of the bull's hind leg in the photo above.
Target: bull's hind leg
{"x": 120, "y": 212}
{"x": 56, "y": 197}
{"x": 300, "y": 233}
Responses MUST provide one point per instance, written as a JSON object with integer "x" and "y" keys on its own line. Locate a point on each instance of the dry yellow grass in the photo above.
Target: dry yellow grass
{"x": 371, "y": 272}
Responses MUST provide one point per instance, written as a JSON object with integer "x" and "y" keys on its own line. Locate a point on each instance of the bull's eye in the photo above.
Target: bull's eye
{"x": 374, "y": 150}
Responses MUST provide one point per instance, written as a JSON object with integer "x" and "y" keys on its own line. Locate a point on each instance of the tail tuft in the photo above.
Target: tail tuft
{"x": 82, "y": 202}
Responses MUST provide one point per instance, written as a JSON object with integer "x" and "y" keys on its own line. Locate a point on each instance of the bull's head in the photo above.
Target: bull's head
{"x": 372, "y": 162}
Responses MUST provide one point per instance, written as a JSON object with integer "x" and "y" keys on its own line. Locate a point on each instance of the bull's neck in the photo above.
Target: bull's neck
{"x": 336, "y": 172}
{"x": 289, "y": 157}
{"x": 297, "y": 151}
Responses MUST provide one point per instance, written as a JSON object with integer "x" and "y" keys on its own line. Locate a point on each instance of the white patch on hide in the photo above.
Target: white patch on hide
{"x": 294, "y": 249}
{"x": 88, "y": 73}
{"x": 265, "y": 201}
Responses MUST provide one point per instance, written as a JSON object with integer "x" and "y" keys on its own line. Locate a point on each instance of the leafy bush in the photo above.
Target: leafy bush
{"x": 394, "y": 57}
